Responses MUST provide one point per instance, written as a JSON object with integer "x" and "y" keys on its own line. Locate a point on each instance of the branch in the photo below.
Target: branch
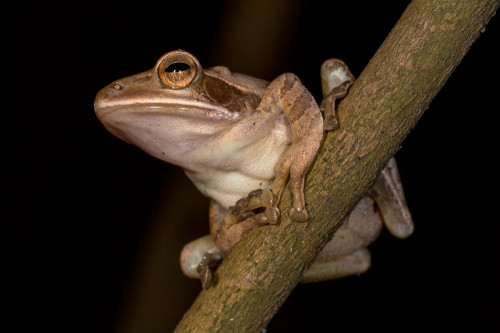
{"x": 385, "y": 103}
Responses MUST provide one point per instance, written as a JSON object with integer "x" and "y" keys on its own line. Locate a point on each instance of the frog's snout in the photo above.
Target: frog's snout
{"x": 104, "y": 98}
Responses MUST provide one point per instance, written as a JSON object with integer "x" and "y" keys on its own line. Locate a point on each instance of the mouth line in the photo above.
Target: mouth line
{"x": 103, "y": 109}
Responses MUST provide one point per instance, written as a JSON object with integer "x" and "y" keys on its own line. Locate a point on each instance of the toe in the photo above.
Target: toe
{"x": 299, "y": 215}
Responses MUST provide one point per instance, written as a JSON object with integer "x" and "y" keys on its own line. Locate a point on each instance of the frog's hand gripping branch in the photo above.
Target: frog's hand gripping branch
{"x": 335, "y": 82}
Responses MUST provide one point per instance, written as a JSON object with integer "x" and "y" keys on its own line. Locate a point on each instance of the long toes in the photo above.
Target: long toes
{"x": 299, "y": 215}
{"x": 259, "y": 198}
{"x": 240, "y": 206}
{"x": 255, "y": 200}
{"x": 267, "y": 198}
{"x": 260, "y": 219}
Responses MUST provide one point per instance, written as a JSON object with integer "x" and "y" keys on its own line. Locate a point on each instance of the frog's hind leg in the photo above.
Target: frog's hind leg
{"x": 200, "y": 258}
{"x": 353, "y": 264}
{"x": 389, "y": 196}
{"x": 346, "y": 254}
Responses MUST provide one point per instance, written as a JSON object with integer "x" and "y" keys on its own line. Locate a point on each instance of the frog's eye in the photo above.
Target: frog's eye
{"x": 177, "y": 70}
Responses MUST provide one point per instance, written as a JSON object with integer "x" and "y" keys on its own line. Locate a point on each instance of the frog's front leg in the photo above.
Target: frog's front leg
{"x": 336, "y": 78}
{"x": 287, "y": 95}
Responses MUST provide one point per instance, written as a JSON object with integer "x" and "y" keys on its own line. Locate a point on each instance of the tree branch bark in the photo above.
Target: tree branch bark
{"x": 385, "y": 103}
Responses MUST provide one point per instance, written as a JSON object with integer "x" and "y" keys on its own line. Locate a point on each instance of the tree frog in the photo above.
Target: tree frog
{"x": 239, "y": 139}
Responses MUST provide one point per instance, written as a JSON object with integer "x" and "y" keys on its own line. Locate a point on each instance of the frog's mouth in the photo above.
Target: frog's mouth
{"x": 196, "y": 118}
{"x": 188, "y": 108}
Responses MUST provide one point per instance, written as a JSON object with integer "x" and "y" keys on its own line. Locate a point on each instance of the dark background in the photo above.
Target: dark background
{"x": 94, "y": 226}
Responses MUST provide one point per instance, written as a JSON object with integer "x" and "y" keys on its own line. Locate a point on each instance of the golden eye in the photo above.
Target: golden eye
{"x": 177, "y": 70}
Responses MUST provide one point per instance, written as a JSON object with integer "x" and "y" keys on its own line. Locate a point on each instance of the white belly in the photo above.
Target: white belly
{"x": 235, "y": 173}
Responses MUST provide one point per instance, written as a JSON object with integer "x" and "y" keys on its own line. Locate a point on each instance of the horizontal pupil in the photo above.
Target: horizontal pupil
{"x": 177, "y": 67}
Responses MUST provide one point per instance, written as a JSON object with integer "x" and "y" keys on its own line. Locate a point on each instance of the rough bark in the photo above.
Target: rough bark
{"x": 387, "y": 100}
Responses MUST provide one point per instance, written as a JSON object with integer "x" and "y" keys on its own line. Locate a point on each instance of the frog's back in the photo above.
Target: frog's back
{"x": 238, "y": 81}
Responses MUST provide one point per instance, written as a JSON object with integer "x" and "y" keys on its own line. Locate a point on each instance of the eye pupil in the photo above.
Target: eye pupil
{"x": 177, "y": 67}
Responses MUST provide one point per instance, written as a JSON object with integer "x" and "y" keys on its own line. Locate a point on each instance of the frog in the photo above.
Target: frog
{"x": 240, "y": 139}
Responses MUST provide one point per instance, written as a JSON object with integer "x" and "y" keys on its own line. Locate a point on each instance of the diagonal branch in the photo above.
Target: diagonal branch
{"x": 385, "y": 103}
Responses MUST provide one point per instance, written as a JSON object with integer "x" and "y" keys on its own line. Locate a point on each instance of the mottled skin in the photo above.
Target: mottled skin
{"x": 233, "y": 134}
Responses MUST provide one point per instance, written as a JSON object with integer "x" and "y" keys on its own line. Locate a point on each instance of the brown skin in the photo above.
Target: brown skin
{"x": 236, "y": 137}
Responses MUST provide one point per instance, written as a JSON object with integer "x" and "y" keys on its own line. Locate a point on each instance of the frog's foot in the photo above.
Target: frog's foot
{"x": 206, "y": 268}
{"x": 259, "y": 206}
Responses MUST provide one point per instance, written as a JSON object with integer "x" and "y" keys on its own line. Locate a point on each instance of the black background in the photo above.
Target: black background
{"x": 94, "y": 226}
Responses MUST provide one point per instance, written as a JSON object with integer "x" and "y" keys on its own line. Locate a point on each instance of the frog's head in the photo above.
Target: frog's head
{"x": 167, "y": 110}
